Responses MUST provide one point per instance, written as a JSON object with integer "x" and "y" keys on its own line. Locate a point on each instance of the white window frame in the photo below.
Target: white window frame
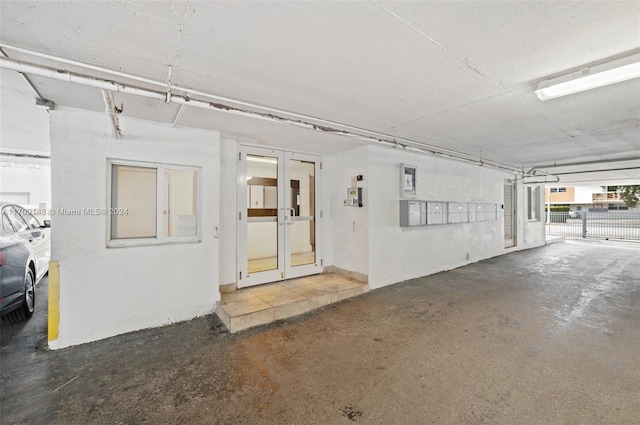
{"x": 534, "y": 210}
{"x": 160, "y": 239}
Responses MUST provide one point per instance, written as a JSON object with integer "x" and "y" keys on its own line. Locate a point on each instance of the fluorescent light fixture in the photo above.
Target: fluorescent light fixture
{"x": 590, "y": 78}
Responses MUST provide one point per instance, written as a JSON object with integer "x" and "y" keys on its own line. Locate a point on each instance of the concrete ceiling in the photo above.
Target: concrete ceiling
{"x": 457, "y": 75}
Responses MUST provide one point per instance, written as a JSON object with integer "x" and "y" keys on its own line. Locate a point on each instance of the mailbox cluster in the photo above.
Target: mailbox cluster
{"x": 425, "y": 213}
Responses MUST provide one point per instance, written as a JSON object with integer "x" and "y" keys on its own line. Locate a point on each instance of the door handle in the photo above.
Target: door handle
{"x": 293, "y": 214}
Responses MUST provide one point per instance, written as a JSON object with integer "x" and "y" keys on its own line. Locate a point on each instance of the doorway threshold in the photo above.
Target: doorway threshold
{"x": 259, "y": 305}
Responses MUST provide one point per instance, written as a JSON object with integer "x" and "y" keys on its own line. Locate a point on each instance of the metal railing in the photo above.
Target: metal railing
{"x": 605, "y": 225}
{"x": 606, "y": 196}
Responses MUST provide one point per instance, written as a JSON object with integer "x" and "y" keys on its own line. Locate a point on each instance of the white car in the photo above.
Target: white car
{"x": 25, "y": 251}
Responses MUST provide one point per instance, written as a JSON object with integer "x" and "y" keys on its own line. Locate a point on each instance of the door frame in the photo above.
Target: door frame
{"x": 284, "y": 268}
{"x": 510, "y": 243}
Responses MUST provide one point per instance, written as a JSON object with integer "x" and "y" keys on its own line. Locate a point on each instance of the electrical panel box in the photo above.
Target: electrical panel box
{"x": 410, "y": 213}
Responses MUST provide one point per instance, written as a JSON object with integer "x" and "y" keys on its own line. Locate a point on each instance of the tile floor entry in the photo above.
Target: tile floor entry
{"x": 259, "y": 305}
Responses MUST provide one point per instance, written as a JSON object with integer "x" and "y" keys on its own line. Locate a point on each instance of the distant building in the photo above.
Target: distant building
{"x": 584, "y": 197}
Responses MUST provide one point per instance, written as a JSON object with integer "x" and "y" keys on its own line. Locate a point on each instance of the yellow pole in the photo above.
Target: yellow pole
{"x": 54, "y": 299}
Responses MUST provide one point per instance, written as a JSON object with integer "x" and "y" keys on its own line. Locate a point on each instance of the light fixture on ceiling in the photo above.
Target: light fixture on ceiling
{"x": 593, "y": 77}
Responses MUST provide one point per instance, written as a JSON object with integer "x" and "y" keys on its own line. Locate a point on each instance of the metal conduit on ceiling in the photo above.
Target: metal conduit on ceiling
{"x": 269, "y": 114}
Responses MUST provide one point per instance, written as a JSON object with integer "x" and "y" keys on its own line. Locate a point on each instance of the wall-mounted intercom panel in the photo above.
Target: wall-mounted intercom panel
{"x": 354, "y": 197}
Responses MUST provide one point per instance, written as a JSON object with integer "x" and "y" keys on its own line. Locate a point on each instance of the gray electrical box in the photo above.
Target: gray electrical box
{"x": 410, "y": 213}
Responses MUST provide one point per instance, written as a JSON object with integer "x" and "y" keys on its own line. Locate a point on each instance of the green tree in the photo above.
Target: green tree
{"x": 630, "y": 195}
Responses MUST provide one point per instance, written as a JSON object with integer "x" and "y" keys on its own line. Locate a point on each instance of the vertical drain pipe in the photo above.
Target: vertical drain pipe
{"x": 112, "y": 111}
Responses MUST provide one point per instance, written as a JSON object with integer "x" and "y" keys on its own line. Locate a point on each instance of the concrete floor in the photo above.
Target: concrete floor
{"x": 546, "y": 336}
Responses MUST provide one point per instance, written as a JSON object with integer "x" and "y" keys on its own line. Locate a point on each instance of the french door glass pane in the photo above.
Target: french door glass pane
{"x": 302, "y": 213}
{"x": 262, "y": 213}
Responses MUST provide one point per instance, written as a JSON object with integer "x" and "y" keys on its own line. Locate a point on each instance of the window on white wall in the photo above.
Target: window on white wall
{"x": 134, "y": 194}
{"x": 153, "y": 203}
{"x": 180, "y": 203}
{"x": 533, "y": 203}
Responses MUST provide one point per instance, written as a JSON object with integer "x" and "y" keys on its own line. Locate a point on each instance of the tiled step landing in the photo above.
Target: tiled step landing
{"x": 259, "y": 305}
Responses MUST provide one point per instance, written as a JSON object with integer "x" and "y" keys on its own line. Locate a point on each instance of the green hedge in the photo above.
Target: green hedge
{"x": 558, "y": 208}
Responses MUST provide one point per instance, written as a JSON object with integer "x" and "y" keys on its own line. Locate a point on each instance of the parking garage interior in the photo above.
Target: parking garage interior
{"x": 323, "y": 212}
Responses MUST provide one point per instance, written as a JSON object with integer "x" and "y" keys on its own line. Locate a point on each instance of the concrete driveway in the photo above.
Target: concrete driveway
{"x": 545, "y": 336}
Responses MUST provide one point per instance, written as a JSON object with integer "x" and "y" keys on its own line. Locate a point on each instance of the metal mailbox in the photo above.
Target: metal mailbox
{"x": 410, "y": 213}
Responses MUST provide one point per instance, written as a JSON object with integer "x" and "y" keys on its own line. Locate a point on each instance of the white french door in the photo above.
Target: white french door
{"x": 279, "y": 235}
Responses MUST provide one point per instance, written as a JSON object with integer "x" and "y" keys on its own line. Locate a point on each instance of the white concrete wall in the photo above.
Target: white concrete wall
{"x": 398, "y": 254}
{"x": 35, "y": 181}
{"x": 348, "y": 247}
{"x": 394, "y": 254}
{"x": 110, "y": 291}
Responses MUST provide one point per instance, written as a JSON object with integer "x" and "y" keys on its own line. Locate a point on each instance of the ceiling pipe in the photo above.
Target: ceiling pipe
{"x": 557, "y": 179}
{"x": 596, "y": 171}
{"x": 180, "y": 112}
{"x": 69, "y": 77}
{"x": 169, "y": 86}
{"x": 577, "y": 164}
{"x": 111, "y": 110}
{"x": 569, "y": 173}
{"x": 380, "y": 138}
{"x": 26, "y": 80}
{"x": 190, "y": 92}
{"x": 25, "y": 155}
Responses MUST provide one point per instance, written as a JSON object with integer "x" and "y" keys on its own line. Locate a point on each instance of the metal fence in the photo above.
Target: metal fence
{"x": 583, "y": 224}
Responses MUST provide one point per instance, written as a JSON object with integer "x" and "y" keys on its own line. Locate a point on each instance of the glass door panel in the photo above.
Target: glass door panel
{"x": 277, "y": 234}
{"x": 262, "y": 213}
{"x": 261, "y": 205}
{"x": 301, "y": 217}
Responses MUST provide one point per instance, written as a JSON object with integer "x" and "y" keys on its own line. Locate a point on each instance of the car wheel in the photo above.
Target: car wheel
{"x": 25, "y": 311}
